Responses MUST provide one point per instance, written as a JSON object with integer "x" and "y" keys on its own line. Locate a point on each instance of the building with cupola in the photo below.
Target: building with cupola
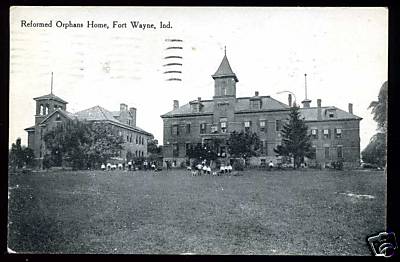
{"x": 335, "y": 133}
{"x": 51, "y": 111}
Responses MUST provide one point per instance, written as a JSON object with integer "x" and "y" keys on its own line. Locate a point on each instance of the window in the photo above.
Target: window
{"x": 136, "y": 153}
{"x": 314, "y": 152}
{"x": 278, "y": 125}
{"x": 327, "y": 133}
{"x": 58, "y": 118}
{"x": 136, "y": 140}
{"x": 127, "y": 138}
{"x": 214, "y": 129}
{"x": 187, "y": 148}
{"x": 175, "y": 130}
{"x": 247, "y": 126}
{"x": 263, "y": 125}
{"x": 119, "y": 133}
{"x": 338, "y": 133}
{"x": 129, "y": 122}
{"x": 202, "y": 128}
{"x": 223, "y": 90}
{"x": 255, "y": 104}
{"x": 175, "y": 150}
{"x": 264, "y": 148}
{"x": 339, "y": 152}
{"x": 188, "y": 128}
{"x": 326, "y": 152}
{"x": 223, "y": 125}
{"x": 314, "y": 133}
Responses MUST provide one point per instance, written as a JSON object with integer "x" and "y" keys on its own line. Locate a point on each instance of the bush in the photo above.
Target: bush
{"x": 238, "y": 165}
{"x": 195, "y": 162}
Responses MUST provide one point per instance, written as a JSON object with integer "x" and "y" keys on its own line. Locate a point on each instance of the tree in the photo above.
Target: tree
{"x": 20, "y": 155}
{"x": 29, "y": 156}
{"x": 206, "y": 151}
{"x": 104, "y": 144}
{"x": 243, "y": 145}
{"x": 296, "y": 141}
{"x": 154, "y": 150}
{"x": 379, "y": 108}
{"x": 82, "y": 144}
{"x": 375, "y": 152}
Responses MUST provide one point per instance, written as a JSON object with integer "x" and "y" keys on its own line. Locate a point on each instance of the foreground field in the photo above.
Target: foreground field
{"x": 259, "y": 212}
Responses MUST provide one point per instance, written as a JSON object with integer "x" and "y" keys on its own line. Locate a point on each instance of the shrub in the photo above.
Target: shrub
{"x": 238, "y": 165}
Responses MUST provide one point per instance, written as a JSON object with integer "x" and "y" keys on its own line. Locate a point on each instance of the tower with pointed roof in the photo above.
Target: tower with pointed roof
{"x": 224, "y": 80}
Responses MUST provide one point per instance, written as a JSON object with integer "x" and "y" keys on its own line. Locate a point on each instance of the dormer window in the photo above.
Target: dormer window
{"x": 255, "y": 104}
{"x": 330, "y": 113}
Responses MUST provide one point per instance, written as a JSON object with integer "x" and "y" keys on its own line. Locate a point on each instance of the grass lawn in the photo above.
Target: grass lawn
{"x": 259, "y": 212}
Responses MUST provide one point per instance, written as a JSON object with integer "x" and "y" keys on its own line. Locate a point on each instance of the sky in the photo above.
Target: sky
{"x": 343, "y": 51}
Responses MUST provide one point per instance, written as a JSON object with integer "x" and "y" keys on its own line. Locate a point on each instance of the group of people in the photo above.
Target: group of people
{"x": 203, "y": 168}
{"x": 130, "y": 166}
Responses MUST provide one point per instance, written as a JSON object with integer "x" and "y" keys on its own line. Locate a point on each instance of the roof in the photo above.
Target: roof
{"x": 242, "y": 105}
{"x": 311, "y": 114}
{"x": 31, "y": 128}
{"x": 224, "y": 69}
{"x": 98, "y": 113}
{"x": 51, "y": 97}
{"x": 267, "y": 104}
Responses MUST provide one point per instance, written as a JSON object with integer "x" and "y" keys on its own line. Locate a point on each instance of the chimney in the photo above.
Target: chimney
{"x": 123, "y": 107}
{"x": 133, "y": 113}
{"x": 350, "y": 108}
{"x": 306, "y": 103}
{"x": 290, "y": 100}
{"x": 176, "y": 104}
{"x": 256, "y": 93}
{"x": 319, "y": 116}
{"x": 198, "y": 104}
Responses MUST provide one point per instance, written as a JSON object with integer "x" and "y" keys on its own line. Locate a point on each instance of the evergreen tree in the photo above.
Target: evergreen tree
{"x": 296, "y": 142}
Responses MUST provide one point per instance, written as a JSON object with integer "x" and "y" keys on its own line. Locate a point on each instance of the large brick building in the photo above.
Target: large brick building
{"x": 334, "y": 132}
{"x": 52, "y": 111}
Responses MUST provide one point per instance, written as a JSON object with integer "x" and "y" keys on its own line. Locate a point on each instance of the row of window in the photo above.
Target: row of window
{"x": 138, "y": 140}
{"x": 264, "y": 150}
{"x": 223, "y": 125}
{"x": 326, "y": 133}
{"x": 327, "y": 152}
